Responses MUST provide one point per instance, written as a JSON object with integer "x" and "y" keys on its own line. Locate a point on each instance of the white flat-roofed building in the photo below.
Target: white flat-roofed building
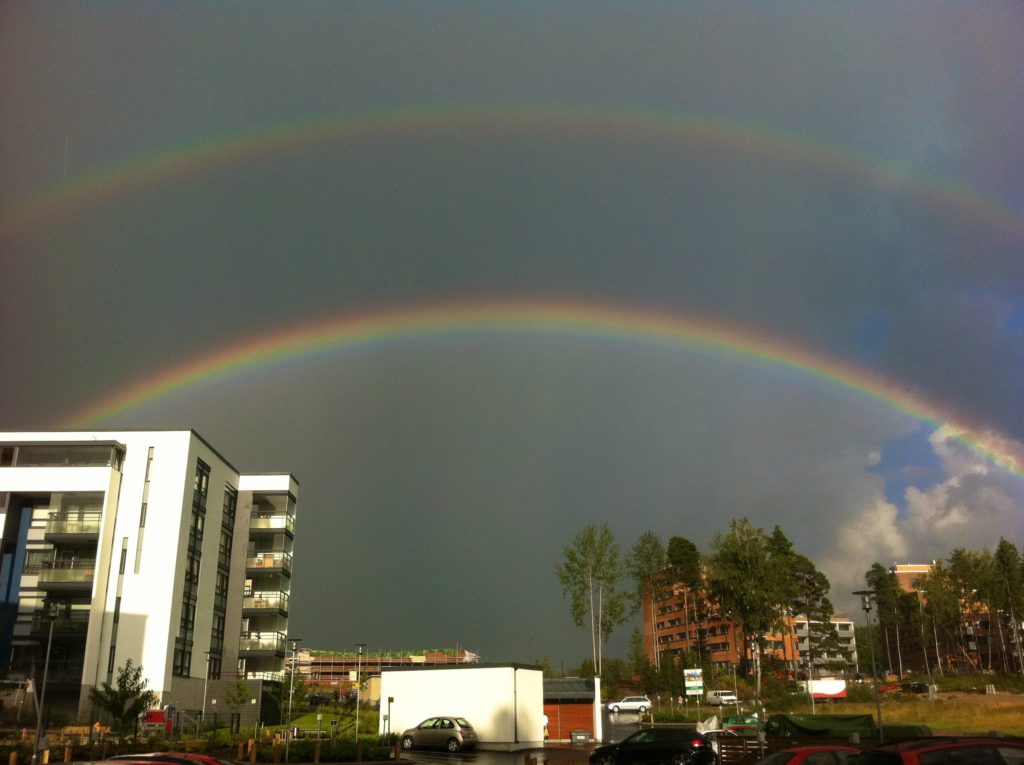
{"x": 141, "y": 545}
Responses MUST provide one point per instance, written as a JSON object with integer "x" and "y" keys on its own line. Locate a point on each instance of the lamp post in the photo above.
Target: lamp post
{"x": 359, "y": 669}
{"x": 291, "y": 694}
{"x": 865, "y": 603}
{"x": 206, "y": 682}
{"x": 52, "y": 611}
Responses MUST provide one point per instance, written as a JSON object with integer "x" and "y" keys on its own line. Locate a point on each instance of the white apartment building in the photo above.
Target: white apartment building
{"x": 141, "y": 545}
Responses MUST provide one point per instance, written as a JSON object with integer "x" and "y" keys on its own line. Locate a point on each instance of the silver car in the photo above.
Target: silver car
{"x": 630, "y": 704}
{"x": 451, "y": 733}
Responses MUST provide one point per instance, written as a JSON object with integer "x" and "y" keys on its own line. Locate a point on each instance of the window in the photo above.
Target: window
{"x": 960, "y": 755}
{"x": 202, "y": 480}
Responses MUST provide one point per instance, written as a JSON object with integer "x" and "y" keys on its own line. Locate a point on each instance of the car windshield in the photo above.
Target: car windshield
{"x": 463, "y": 723}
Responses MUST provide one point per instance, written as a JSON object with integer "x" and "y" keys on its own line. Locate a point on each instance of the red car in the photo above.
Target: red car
{"x": 811, "y": 755}
{"x": 947, "y": 750}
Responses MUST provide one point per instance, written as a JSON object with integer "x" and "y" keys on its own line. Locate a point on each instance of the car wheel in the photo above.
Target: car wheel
{"x": 615, "y": 710}
{"x": 407, "y": 742}
{"x": 643, "y": 710}
{"x": 680, "y": 759}
{"x": 606, "y": 759}
{"x": 453, "y": 745}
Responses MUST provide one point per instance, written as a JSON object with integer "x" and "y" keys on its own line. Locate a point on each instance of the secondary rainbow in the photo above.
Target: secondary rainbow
{"x": 719, "y": 136}
{"x": 525, "y": 317}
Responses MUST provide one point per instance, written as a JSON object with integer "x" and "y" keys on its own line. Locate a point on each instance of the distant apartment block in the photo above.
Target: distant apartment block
{"x": 140, "y": 545}
{"x": 984, "y": 638}
{"x": 339, "y": 668}
{"x": 684, "y": 623}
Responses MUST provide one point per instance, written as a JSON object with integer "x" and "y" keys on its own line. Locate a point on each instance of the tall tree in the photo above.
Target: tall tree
{"x": 590, "y": 576}
{"x": 741, "y": 579}
{"x": 894, "y": 608}
{"x": 126, "y": 700}
{"x": 685, "y": 568}
{"x": 646, "y": 565}
{"x": 942, "y": 610}
{"x": 1009, "y": 573}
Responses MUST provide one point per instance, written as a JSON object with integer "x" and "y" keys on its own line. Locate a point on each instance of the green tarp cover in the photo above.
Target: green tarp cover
{"x": 820, "y": 725}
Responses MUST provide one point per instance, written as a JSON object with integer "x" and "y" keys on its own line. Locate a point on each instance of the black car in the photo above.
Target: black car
{"x": 675, "y": 745}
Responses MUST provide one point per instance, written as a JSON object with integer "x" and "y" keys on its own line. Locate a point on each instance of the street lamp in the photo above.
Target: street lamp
{"x": 359, "y": 669}
{"x": 206, "y": 682}
{"x": 291, "y": 694}
{"x": 52, "y": 611}
{"x": 865, "y": 603}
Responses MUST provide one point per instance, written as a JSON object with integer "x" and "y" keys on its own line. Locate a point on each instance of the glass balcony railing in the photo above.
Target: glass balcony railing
{"x": 78, "y": 524}
{"x": 74, "y": 624}
{"x": 266, "y": 600}
{"x": 281, "y": 560}
{"x": 262, "y": 641}
{"x": 67, "y": 572}
{"x": 263, "y": 522}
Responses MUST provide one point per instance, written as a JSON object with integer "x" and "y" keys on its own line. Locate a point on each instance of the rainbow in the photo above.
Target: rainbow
{"x": 714, "y": 136}
{"x": 562, "y": 318}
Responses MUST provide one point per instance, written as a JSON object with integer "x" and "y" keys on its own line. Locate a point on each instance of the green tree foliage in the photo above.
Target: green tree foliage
{"x": 685, "y": 567}
{"x": 545, "y": 664}
{"x": 1009, "y": 589}
{"x": 590, "y": 576}
{"x": 646, "y": 566}
{"x": 640, "y": 665}
{"x": 684, "y": 558}
{"x": 895, "y": 608}
{"x": 236, "y": 696}
{"x": 744, "y": 583}
{"x": 125, "y": 701}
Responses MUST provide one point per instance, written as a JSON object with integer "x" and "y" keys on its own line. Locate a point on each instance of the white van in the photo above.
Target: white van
{"x": 720, "y": 698}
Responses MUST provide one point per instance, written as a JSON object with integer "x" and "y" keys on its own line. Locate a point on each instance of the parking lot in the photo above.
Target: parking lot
{"x": 616, "y": 728}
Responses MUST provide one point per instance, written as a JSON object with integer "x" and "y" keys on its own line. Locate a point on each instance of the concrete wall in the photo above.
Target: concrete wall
{"x": 505, "y": 704}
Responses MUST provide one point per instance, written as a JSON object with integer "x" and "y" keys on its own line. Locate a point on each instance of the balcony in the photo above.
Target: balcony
{"x": 269, "y": 562}
{"x": 257, "y": 603}
{"x": 60, "y": 527}
{"x": 264, "y": 522}
{"x": 75, "y": 625}
{"x": 261, "y": 643}
{"x": 70, "y": 574}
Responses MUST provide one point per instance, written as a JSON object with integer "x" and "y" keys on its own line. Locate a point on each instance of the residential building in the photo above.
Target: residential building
{"x": 683, "y": 623}
{"x": 339, "y": 668}
{"x": 141, "y": 546}
{"x": 983, "y": 638}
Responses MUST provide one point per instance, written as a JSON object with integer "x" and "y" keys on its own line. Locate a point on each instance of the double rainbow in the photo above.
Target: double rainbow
{"x": 713, "y": 136}
{"x": 561, "y": 318}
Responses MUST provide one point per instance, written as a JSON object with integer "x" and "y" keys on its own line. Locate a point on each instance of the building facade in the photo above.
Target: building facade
{"x": 678, "y": 623}
{"x": 146, "y": 546}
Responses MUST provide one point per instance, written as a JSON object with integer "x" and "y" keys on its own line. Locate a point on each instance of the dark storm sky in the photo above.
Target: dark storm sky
{"x": 441, "y": 477}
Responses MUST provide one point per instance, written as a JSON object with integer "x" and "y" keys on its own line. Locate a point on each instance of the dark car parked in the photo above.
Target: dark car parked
{"x": 669, "y": 745}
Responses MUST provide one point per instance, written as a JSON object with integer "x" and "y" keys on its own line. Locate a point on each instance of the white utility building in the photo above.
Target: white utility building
{"x": 503, "y": 702}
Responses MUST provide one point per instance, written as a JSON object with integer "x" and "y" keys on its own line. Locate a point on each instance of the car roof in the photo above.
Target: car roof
{"x": 940, "y": 741}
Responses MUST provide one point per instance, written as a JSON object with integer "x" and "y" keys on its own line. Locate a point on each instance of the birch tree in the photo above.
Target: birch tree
{"x": 590, "y": 575}
{"x": 646, "y": 565}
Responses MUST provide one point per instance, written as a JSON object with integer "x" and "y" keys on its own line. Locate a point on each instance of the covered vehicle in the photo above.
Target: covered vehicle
{"x": 451, "y": 733}
{"x": 833, "y": 726}
{"x": 664, "y": 745}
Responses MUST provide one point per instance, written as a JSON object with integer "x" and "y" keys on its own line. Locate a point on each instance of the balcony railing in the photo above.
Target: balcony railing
{"x": 266, "y": 601}
{"x": 67, "y": 572}
{"x": 263, "y": 522}
{"x": 262, "y": 641}
{"x": 78, "y": 524}
{"x": 275, "y": 560}
{"x": 75, "y": 624}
